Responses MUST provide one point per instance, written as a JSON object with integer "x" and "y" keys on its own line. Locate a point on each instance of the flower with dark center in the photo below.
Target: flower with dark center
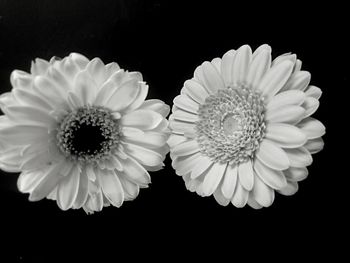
{"x": 81, "y": 132}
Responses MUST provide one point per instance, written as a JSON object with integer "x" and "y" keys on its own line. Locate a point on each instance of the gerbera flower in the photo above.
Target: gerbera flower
{"x": 241, "y": 128}
{"x": 81, "y": 132}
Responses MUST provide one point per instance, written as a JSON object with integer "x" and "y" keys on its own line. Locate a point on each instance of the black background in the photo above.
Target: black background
{"x": 166, "y": 41}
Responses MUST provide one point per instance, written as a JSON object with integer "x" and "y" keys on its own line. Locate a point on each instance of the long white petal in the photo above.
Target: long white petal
{"x": 272, "y": 155}
{"x": 262, "y": 193}
{"x": 275, "y": 79}
{"x": 229, "y": 181}
{"x": 273, "y": 178}
{"x": 213, "y": 178}
{"x": 111, "y": 187}
{"x": 241, "y": 63}
{"x": 246, "y": 175}
{"x": 285, "y": 135}
{"x": 299, "y": 157}
{"x": 312, "y": 128}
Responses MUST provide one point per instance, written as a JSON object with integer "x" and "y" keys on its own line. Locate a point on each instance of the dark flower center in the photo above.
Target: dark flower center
{"x": 88, "y": 134}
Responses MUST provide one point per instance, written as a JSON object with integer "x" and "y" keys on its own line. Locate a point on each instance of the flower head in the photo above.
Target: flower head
{"x": 81, "y": 132}
{"x": 241, "y": 127}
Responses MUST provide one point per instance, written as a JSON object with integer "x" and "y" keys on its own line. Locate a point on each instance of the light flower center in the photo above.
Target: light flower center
{"x": 231, "y": 125}
{"x": 88, "y": 134}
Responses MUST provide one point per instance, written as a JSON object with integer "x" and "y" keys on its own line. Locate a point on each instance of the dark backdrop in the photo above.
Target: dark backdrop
{"x": 166, "y": 41}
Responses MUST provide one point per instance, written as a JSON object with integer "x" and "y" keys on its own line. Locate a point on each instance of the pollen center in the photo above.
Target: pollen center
{"x": 88, "y": 134}
{"x": 231, "y": 124}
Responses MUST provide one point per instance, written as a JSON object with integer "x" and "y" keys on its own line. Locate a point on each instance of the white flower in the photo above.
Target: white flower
{"x": 81, "y": 132}
{"x": 241, "y": 127}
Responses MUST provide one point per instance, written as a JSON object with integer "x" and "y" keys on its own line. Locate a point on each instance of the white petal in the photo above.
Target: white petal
{"x": 105, "y": 92}
{"x": 272, "y": 155}
{"x": 273, "y": 178}
{"x": 146, "y": 139}
{"x": 97, "y": 70}
{"x": 213, "y": 178}
{"x": 23, "y": 134}
{"x": 180, "y": 127}
{"x": 143, "y": 155}
{"x": 240, "y": 197}
{"x": 135, "y": 172}
{"x": 262, "y": 48}
{"x": 68, "y": 188}
{"x": 157, "y": 106}
{"x": 141, "y": 119}
{"x": 312, "y": 128}
{"x": 49, "y": 180}
{"x": 185, "y": 103}
{"x": 21, "y": 79}
{"x": 212, "y": 78}
{"x": 285, "y": 57}
{"x": 85, "y": 87}
{"x": 26, "y": 97}
{"x": 220, "y": 198}
{"x": 112, "y": 187}
{"x": 198, "y": 75}
{"x": 28, "y": 180}
{"x": 131, "y": 190}
{"x": 285, "y": 135}
{"x": 290, "y": 189}
{"x": 241, "y": 63}
{"x": 59, "y": 79}
{"x": 201, "y": 166}
{"x": 259, "y": 66}
{"x": 186, "y": 148}
{"x": 175, "y": 139}
{"x": 195, "y": 91}
{"x": 217, "y": 64}
{"x": 53, "y": 94}
{"x": 69, "y": 68}
{"x": 275, "y": 79}
{"x": 30, "y": 115}
{"x": 79, "y": 59}
{"x": 314, "y": 145}
{"x": 82, "y": 191}
{"x": 297, "y": 66}
{"x": 299, "y": 157}
{"x": 289, "y": 97}
{"x": 295, "y": 174}
{"x": 111, "y": 68}
{"x": 263, "y": 194}
{"x": 311, "y": 105}
{"x": 74, "y": 101}
{"x": 226, "y": 66}
{"x": 298, "y": 81}
{"x": 39, "y": 67}
{"x": 288, "y": 114}
{"x": 252, "y": 202}
{"x": 185, "y": 164}
{"x": 313, "y": 91}
{"x": 7, "y": 99}
{"x": 229, "y": 181}
{"x": 246, "y": 175}
{"x": 185, "y": 116}
{"x": 124, "y": 95}
{"x": 140, "y": 98}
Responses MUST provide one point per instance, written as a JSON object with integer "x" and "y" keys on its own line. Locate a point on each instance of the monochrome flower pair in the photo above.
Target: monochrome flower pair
{"x": 82, "y": 133}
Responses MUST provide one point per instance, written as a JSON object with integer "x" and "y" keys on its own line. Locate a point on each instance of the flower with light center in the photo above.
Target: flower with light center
{"x": 241, "y": 128}
{"x": 81, "y": 132}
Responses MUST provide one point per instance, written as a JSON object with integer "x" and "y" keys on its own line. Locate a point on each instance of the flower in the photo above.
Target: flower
{"x": 81, "y": 132}
{"x": 241, "y": 127}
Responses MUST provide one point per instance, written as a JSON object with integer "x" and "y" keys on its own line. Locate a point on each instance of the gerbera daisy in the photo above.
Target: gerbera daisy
{"x": 241, "y": 128}
{"x": 81, "y": 132}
